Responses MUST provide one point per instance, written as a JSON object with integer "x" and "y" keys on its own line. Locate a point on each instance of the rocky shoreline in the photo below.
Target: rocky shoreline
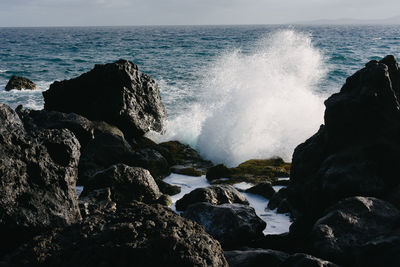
{"x": 342, "y": 193}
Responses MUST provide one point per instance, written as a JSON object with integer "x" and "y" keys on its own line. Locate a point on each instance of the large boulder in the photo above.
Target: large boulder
{"x": 351, "y": 226}
{"x": 214, "y": 194}
{"x": 117, "y": 93}
{"x": 38, "y": 171}
{"x": 355, "y": 152}
{"x": 232, "y": 224}
{"x": 19, "y": 83}
{"x": 136, "y": 235}
{"x": 126, "y": 184}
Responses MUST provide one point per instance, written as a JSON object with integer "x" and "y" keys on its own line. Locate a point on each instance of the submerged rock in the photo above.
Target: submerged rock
{"x": 38, "y": 171}
{"x": 117, "y": 93}
{"x": 231, "y": 224}
{"x": 136, "y": 235}
{"x": 19, "y": 83}
{"x": 215, "y": 194}
{"x": 353, "y": 223}
{"x": 126, "y": 184}
{"x": 355, "y": 153}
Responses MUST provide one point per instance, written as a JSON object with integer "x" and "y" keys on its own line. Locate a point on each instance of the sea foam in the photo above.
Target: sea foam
{"x": 255, "y": 104}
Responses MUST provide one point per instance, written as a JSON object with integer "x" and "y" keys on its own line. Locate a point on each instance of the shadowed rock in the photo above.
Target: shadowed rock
{"x": 38, "y": 171}
{"x": 136, "y": 235}
{"x": 126, "y": 184}
{"x": 117, "y": 93}
{"x": 231, "y": 224}
{"x": 215, "y": 194}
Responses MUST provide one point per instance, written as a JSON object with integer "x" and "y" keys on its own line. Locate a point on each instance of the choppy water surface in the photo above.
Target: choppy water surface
{"x": 232, "y": 92}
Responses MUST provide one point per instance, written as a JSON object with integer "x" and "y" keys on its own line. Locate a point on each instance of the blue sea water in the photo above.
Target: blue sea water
{"x": 233, "y": 92}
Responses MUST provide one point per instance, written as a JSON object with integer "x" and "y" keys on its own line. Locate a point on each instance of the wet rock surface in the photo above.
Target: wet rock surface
{"x": 19, "y": 83}
{"x": 251, "y": 171}
{"x": 231, "y": 224}
{"x": 215, "y": 195}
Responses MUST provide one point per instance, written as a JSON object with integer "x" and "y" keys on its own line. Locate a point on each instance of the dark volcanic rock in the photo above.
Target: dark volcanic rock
{"x": 215, "y": 194}
{"x": 183, "y": 157}
{"x": 127, "y": 184}
{"x": 167, "y": 188}
{"x": 255, "y": 258}
{"x": 263, "y": 189}
{"x": 350, "y": 224}
{"x": 231, "y": 224}
{"x": 36, "y": 119}
{"x": 136, "y": 235}
{"x": 153, "y": 161}
{"x": 19, "y": 83}
{"x": 117, "y": 93}
{"x": 103, "y": 152}
{"x": 96, "y": 201}
{"x": 304, "y": 260}
{"x": 355, "y": 153}
{"x": 273, "y": 258}
{"x": 38, "y": 172}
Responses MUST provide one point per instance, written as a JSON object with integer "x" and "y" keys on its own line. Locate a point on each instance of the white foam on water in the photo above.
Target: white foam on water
{"x": 257, "y": 104}
{"x": 32, "y": 99}
{"x": 276, "y": 223}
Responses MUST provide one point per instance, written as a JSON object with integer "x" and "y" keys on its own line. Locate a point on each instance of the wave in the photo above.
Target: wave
{"x": 255, "y": 104}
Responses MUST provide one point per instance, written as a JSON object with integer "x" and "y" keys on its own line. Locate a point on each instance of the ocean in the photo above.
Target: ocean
{"x": 231, "y": 92}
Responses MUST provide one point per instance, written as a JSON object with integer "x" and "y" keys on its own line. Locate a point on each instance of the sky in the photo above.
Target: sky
{"x": 186, "y": 12}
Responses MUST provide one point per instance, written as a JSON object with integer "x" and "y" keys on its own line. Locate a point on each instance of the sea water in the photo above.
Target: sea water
{"x": 231, "y": 92}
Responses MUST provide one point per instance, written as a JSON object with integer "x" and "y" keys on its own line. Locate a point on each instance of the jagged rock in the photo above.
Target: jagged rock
{"x": 135, "y": 235}
{"x": 126, "y": 184}
{"x": 352, "y": 223}
{"x": 167, "y": 188}
{"x": 231, "y": 224}
{"x": 263, "y": 189}
{"x": 96, "y": 201}
{"x": 42, "y": 119}
{"x": 19, "y": 83}
{"x": 355, "y": 152}
{"x": 153, "y": 161}
{"x": 117, "y": 93}
{"x": 38, "y": 172}
{"x": 215, "y": 194}
{"x": 180, "y": 156}
{"x": 103, "y": 152}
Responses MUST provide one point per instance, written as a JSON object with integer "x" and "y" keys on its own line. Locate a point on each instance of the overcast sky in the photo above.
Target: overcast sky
{"x": 175, "y": 12}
